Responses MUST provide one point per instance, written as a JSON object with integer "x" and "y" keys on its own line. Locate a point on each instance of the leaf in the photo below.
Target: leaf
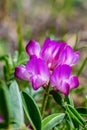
{"x": 20, "y": 38}
{"x": 16, "y": 101}
{"x": 51, "y": 121}
{"x": 4, "y": 105}
{"x": 69, "y": 100}
{"x": 23, "y": 58}
{"x": 31, "y": 111}
{"x": 57, "y": 97}
{"x": 82, "y": 111}
{"x": 76, "y": 42}
{"x": 82, "y": 67}
{"x": 74, "y": 114}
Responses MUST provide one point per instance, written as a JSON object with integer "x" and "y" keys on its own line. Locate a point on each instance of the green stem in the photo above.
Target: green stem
{"x": 45, "y": 99}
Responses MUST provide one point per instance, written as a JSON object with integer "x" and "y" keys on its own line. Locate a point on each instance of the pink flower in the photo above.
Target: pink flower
{"x": 62, "y": 81}
{"x": 53, "y": 53}
{"x": 49, "y": 52}
{"x": 55, "y": 56}
{"x": 36, "y": 71}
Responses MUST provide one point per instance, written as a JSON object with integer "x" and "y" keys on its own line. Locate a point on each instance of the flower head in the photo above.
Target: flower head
{"x": 55, "y": 56}
{"x": 62, "y": 81}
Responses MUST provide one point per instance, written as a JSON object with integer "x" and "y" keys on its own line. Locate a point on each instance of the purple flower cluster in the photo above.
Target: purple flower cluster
{"x": 51, "y": 63}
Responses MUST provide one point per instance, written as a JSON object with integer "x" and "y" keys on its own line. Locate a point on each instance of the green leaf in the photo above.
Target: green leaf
{"x": 82, "y": 111}
{"x": 76, "y": 42}
{"x": 75, "y": 115}
{"x": 4, "y": 105}
{"x": 31, "y": 111}
{"x": 20, "y": 38}
{"x": 82, "y": 67}
{"x": 51, "y": 121}
{"x": 16, "y": 101}
{"x": 57, "y": 97}
{"x": 23, "y": 58}
{"x": 69, "y": 100}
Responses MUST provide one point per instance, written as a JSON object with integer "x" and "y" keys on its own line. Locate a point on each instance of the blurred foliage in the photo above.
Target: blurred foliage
{"x": 3, "y": 47}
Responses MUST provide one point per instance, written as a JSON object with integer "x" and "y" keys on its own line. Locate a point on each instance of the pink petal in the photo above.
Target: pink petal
{"x": 62, "y": 72}
{"x": 64, "y": 88}
{"x": 38, "y": 71}
{"x": 69, "y": 57}
{"x": 59, "y": 78}
{"x": 50, "y": 52}
{"x": 21, "y": 73}
{"x": 33, "y": 48}
{"x": 45, "y": 44}
{"x": 74, "y": 82}
{"x": 76, "y": 58}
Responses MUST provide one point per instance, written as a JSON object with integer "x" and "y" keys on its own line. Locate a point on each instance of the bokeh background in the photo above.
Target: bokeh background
{"x": 38, "y": 19}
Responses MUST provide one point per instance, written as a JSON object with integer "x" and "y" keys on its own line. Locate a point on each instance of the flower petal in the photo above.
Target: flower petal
{"x": 60, "y": 77}
{"x": 21, "y": 73}
{"x": 62, "y": 72}
{"x": 38, "y": 71}
{"x": 69, "y": 57}
{"x": 76, "y": 58}
{"x": 33, "y": 48}
{"x": 65, "y": 87}
{"x": 50, "y": 52}
{"x": 74, "y": 82}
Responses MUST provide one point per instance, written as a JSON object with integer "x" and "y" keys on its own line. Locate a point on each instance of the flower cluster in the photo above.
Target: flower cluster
{"x": 51, "y": 63}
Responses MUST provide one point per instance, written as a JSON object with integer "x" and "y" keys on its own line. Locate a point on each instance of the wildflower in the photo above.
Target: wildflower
{"x": 53, "y": 53}
{"x": 35, "y": 71}
{"x": 49, "y": 52}
{"x": 62, "y": 81}
{"x": 55, "y": 56}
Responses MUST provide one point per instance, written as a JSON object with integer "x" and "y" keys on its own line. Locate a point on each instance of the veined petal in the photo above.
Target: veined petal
{"x": 59, "y": 78}
{"x": 47, "y": 49}
{"x": 33, "y": 48}
{"x": 38, "y": 81}
{"x": 76, "y": 58}
{"x": 21, "y": 73}
{"x": 62, "y": 72}
{"x": 74, "y": 82}
{"x": 45, "y": 44}
{"x": 50, "y": 52}
{"x": 38, "y": 71}
{"x": 69, "y": 57}
{"x": 64, "y": 88}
